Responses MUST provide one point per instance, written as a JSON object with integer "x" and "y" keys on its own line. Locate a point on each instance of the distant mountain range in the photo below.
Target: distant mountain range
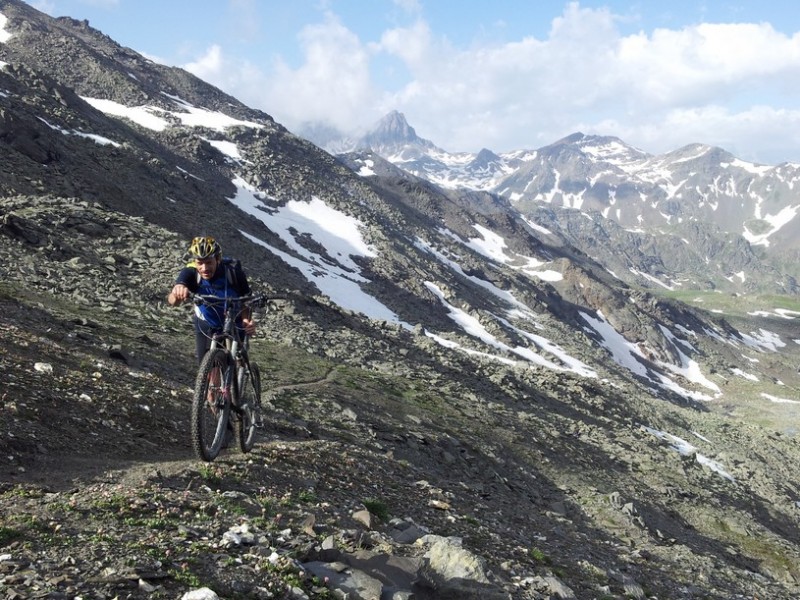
{"x": 736, "y": 220}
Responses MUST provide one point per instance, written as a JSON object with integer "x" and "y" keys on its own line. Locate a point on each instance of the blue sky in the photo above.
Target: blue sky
{"x": 503, "y": 75}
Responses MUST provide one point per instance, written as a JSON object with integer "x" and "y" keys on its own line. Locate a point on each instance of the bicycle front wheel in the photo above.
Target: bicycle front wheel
{"x": 250, "y": 403}
{"x": 211, "y": 405}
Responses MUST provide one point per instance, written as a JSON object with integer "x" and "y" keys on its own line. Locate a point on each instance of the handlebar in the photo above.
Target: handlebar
{"x": 253, "y": 300}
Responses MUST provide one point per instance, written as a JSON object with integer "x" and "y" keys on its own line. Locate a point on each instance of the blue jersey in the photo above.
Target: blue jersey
{"x": 229, "y": 281}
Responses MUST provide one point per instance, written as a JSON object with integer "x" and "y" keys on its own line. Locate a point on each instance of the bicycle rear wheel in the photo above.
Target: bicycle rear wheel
{"x": 250, "y": 403}
{"x": 211, "y": 405}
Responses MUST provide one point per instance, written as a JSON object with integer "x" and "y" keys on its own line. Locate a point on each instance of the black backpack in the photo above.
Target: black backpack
{"x": 232, "y": 268}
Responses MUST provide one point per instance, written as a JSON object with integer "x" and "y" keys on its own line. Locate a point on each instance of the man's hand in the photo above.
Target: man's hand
{"x": 249, "y": 326}
{"x": 179, "y": 293}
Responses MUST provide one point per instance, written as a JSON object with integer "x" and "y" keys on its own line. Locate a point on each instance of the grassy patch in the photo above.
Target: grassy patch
{"x": 286, "y": 365}
{"x": 20, "y": 491}
{"x": 539, "y": 556}
{"x": 8, "y": 535}
{"x": 378, "y": 508}
{"x": 211, "y": 474}
{"x": 307, "y": 496}
{"x": 772, "y": 557}
{"x": 732, "y": 304}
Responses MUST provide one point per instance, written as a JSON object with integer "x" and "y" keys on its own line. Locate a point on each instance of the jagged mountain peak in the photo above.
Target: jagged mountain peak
{"x": 395, "y": 126}
{"x": 641, "y": 191}
{"x": 486, "y": 155}
{"x": 392, "y": 135}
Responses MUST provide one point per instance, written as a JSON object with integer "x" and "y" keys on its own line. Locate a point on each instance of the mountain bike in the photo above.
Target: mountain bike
{"x": 228, "y": 384}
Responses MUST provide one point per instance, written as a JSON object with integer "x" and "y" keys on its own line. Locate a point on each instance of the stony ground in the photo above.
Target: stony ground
{"x": 387, "y": 465}
{"x": 101, "y": 496}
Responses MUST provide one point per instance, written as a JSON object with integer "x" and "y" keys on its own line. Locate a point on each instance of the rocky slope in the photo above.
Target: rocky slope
{"x": 460, "y": 404}
{"x": 569, "y": 488}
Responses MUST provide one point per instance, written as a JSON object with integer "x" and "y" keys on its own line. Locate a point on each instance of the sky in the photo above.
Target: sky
{"x": 504, "y": 75}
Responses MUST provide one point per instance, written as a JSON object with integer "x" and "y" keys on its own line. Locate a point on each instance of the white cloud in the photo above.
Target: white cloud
{"x": 413, "y": 45}
{"x": 4, "y": 35}
{"x": 333, "y": 81}
{"x": 332, "y": 84}
{"x": 210, "y": 65}
{"x": 228, "y": 73}
{"x": 720, "y": 84}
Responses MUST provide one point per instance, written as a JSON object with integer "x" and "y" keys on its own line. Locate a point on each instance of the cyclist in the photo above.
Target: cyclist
{"x": 209, "y": 273}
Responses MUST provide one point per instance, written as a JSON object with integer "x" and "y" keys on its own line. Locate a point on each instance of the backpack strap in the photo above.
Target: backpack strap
{"x": 230, "y": 277}
{"x": 231, "y": 266}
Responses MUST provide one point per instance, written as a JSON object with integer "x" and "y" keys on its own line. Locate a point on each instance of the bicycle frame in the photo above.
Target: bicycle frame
{"x": 226, "y": 380}
{"x": 229, "y": 338}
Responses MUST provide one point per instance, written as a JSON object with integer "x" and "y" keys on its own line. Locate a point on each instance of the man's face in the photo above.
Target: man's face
{"x": 206, "y": 266}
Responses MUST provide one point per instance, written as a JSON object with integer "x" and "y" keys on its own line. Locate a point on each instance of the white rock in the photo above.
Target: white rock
{"x": 200, "y": 594}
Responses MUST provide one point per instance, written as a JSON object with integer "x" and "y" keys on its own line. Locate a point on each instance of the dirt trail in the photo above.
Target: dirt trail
{"x": 158, "y": 452}
{"x": 270, "y": 394}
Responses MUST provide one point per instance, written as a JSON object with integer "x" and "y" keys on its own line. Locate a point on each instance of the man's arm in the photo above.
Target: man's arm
{"x": 180, "y": 291}
{"x": 178, "y": 295}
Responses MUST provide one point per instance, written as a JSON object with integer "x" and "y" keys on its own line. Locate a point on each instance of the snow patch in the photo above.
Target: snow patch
{"x": 5, "y": 35}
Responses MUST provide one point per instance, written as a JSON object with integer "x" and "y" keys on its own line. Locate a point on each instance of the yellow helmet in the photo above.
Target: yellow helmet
{"x": 203, "y": 247}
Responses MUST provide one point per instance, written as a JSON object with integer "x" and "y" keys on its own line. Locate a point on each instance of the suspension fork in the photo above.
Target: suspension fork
{"x": 232, "y": 374}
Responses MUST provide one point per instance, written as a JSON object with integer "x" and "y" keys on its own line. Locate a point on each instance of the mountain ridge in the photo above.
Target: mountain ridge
{"x": 653, "y": 195}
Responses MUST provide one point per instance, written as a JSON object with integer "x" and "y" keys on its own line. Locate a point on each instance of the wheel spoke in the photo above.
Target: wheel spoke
{"x": 211, "y": 406}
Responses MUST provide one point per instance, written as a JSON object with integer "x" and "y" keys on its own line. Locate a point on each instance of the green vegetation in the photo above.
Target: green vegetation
{"x": 307, "y": 496}
{"x": 772, "y": 556}
{"x": 231, "y": 506}
{"x": 210, "y": 473}
{"x": 732, "y": 304}
{"x": 378, "y": 508}
{"x": 267, "y": 503}
{"x": 23, "y": 492}
{"x": 116, "y": 503}
{"x": 287, "y": 365}
{"x": 539, "y": 556}
{"x": 186, "y": 577}
{"x": 8, "y": 535}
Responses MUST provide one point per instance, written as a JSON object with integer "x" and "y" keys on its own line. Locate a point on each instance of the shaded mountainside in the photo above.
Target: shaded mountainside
{"x": 461, "y": 401}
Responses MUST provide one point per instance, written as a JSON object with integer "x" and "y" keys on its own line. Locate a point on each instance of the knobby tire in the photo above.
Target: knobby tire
{"x": 210, "y": 406}
{"x": 250, "y": 403}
